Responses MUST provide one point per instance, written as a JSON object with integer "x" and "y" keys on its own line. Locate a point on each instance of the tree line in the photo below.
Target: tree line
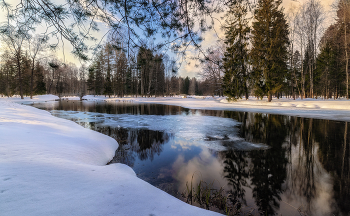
{"x": 276, "y": 55}
{"x": 266, "y": 52}
{"x": 110, "y": 73}
{"x": 146, "y": 74}
{"x": 27, "y": 77}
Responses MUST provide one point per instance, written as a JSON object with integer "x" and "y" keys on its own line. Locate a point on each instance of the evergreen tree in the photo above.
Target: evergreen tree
{"x": 186, "y": 85}
{"x": 236, "y": 56}
{"x": 40, "y": 86}
{"x": 269, "y": 48}
{"x": 129, "y": 81}
{"x": 159, "y": 76}
{"x": 330, "y": 70}
{"x": 145, "y": 60}
{"x": 122, "y": 69}
{"x": 99, "y": 81}
{"x": 91, "y": 80}
{"x": 108, "y": 83}
{"x": 8, "y": 71}
{"x": 26, "y": 73}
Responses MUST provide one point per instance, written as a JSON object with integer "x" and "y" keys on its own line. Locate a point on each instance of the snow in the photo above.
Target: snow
{"x": 53, "y": 166}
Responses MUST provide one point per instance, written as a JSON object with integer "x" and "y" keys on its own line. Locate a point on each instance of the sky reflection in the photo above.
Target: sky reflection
{"x": 273, "y": 164}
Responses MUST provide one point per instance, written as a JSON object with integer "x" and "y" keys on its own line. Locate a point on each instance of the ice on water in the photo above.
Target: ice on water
{"x": 212, "y": 132}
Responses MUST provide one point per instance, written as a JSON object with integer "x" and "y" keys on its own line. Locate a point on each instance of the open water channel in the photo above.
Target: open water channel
{"x": 272, "y": 164}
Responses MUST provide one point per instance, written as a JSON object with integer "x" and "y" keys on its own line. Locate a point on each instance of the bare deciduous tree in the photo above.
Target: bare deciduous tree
{"x": 212, "y": 70}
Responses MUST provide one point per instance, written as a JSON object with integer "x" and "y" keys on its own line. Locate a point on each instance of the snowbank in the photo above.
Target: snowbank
{"x": 27, "y": 99}
{"x": 52, "y": 166}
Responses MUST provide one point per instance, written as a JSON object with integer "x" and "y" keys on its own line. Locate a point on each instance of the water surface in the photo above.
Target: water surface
{"x": 273, "y": 164}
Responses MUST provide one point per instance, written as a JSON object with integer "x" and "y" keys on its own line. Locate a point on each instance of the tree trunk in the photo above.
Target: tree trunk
{"x": 31, "y": 81}
{"x": 293, "y": 73}
{"x": 302, "y": 72}
{"x": 150, "y": 82}
{"x": 19, "y": 73}
{"x": 346, "y": 57}
{"x": 269, "y": 97}
{"x": 142, "y": 81}
{"x": 311, "y": 79}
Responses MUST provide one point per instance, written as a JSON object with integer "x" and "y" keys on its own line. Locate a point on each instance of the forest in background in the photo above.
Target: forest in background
{"x": 266, "y": 52}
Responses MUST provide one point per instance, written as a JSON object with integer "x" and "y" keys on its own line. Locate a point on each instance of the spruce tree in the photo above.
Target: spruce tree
{"x": 91, "y": 80}
{"x": 186, "y": 85}
{"x": 108, "y": 84}
{"x": 269, "y": 48}
{"x": 129, "y": 81}
{"x": 122, "y": 69}
{"x": 235, "y": 81}
{"x": 40, "y": 87}
{"x": 99, "y": 79}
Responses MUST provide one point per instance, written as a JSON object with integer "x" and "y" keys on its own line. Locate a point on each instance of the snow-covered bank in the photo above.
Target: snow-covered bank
{"x": 52, "y": 166}
{"x": 309, "y": 108}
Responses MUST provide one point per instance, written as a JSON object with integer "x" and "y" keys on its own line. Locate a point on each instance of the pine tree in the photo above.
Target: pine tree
{"x": 343, "y": 14}
{"x": 236, "y": 56}
{"x": 128, "y": 81}
{"x": 269, "y": 48}
{"x": 186, "y": 85}
{"x": 99, "y": 81}
{"x": 40, "y": 86}
{"x": 91, "y": 80}
{"x": 145, "y": 60}
{"x": 25, "y": 61}
{"x": 108, "y": 83}
{"x": 122, "y": 68}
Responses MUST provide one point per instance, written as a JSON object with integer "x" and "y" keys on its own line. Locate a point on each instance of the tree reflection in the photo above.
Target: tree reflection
{"x": 236, "y": 172}
{"x": 268, "y": 168}
{"x": 305, "y": 171}
{"x": 307, "y": 164}
{"x": 141, "y": 143}
{"x": 334, "y": 154}
{"x": 120, "y": 107}
{"x": 302, "y": 152}
{"x": 147, "y": 143}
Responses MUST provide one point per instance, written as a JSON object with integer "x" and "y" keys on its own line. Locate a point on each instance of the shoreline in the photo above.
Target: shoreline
{"x": 53, "y": 166}
{"x": 338, "y": 110}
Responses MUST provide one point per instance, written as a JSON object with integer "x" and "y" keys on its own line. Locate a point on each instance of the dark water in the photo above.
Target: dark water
{"x": 272, "y": 163}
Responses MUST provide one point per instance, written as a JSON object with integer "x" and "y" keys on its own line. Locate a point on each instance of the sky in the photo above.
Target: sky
{"x": 188, "y": 67}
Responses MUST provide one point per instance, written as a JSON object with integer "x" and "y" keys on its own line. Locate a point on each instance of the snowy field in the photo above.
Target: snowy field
{"x": 52, "y": 166}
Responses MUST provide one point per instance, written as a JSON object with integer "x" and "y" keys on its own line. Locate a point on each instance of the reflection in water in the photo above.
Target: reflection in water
{"x": 236, "y": 172}
{"x": 268, "y": 168}
{"x": 306, "y": 167}
{"x": 142, "y": 142}
{"x": 111, "y": 108}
